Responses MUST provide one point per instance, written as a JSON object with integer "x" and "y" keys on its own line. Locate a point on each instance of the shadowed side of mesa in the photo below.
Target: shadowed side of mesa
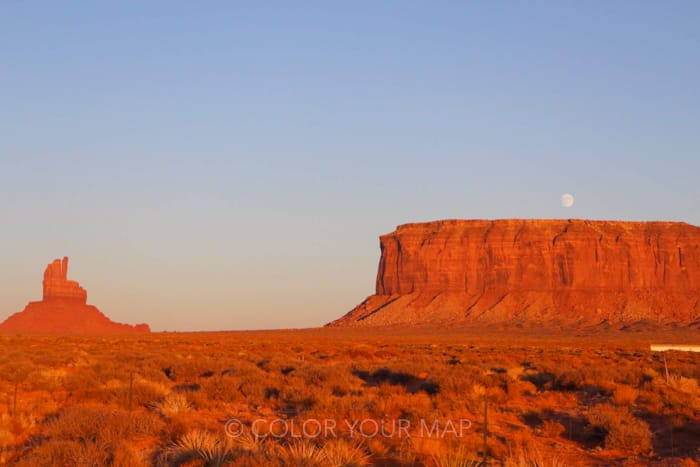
{"x": 64, "y": 310}
{"x": 535, "y": 272}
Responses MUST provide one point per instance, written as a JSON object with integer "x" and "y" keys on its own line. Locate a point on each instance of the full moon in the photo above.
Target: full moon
{"x": 567, "y": 200}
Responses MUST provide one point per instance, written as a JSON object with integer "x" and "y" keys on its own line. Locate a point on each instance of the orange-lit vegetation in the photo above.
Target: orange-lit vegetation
{"x": 165, "y": 399}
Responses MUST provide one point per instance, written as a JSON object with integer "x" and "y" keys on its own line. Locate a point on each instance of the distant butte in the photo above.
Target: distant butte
{"x": 531, "y": 273}
{"x": 57, "y": 285}
{"x": 64, "y": 310}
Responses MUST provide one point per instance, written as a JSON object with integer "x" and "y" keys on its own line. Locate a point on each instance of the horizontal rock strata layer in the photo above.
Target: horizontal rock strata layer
{"x": 528, "y": 272}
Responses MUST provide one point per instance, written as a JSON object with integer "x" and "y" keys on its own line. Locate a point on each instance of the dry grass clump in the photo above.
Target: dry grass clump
{"x": 625, "y": 395}
{"x": 622, "y": 430}
{"x": 686, "y": 385}
{"x": 91, "y": 436}
{"x": 529, "y": 457}
{"x": 345, "y": 453}
{"x": 456, "y": 456}
{"x": 172, "y": 404}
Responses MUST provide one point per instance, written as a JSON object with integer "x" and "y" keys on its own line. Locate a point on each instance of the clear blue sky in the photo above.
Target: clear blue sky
{"x": 230, "y": 165}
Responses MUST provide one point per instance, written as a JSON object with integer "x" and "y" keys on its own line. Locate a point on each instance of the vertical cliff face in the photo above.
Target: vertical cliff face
{"x": 535, "y": 271}
{"x": 57, "y": 285}
{"x": 64, "y": 310}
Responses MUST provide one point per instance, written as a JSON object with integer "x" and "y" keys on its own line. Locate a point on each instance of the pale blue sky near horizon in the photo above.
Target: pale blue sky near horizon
{"x": 230, "y": 165}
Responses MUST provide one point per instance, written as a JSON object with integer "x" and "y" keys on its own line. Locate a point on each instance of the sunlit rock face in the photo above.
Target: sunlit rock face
{"x": 57, "y": 285}
{"x": 64, "y": 310}
{"x": 532, "y": 272}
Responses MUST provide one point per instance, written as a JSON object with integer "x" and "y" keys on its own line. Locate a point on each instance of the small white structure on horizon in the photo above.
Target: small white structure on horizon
{"x": 679, "y": 348}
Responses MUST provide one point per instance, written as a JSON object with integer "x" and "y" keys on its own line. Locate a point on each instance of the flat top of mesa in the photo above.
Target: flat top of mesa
{"x": 540, "y": 222}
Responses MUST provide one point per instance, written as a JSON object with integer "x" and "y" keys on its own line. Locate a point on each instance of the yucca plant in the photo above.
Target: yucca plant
{"x": 172, "y": 404}
{"x": 303, "y": 452}
{"x": 200, "y": 444}
{"x": 342, "y": 453}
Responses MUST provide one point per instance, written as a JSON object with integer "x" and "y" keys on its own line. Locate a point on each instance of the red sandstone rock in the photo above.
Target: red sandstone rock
{"x": 531, "y": 272}
{"x": 64, "y": 309}
{"x": 57, "y": 285}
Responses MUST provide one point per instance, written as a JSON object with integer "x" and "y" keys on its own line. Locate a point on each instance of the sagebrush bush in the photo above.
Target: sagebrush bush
{"x": 87, "y": 435}
{"x": 622, "y": 429}
{"x": 625, "y": 395}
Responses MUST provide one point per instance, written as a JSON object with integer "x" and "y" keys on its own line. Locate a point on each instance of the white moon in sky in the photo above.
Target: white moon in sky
{"x": 567, "y": 200}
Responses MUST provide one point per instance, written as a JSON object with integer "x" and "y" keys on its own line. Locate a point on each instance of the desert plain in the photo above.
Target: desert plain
{"x": 342, "y": 396}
